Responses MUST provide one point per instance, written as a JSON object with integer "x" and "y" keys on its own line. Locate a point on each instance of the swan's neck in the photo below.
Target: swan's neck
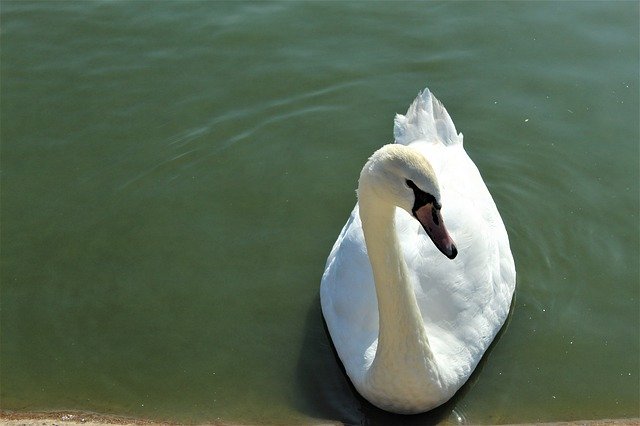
{"x": 403, "y": 355}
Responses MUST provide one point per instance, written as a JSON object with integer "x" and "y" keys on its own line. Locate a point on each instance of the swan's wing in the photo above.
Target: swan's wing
{"x": 347, "y": 295}
{"x": 464, "y": 301}
{"x": 426, "y": 119}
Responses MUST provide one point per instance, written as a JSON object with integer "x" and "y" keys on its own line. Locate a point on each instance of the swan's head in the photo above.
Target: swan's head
{"x": 399, "y": 175}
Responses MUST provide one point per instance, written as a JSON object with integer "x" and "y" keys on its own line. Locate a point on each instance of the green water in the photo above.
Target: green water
{"x": 175, "y": 173}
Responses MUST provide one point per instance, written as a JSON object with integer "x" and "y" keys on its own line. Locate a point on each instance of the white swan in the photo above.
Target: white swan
{"x": 411, "y": 313}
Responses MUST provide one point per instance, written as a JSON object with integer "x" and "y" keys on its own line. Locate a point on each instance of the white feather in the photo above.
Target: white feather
{"x": 426, "y": 120}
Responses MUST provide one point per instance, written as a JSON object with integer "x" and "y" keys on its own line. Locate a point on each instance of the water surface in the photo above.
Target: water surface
{"x": 174, "y": 175}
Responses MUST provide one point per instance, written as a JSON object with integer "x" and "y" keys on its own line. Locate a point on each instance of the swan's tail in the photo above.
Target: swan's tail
{"x": 426, "y": 119}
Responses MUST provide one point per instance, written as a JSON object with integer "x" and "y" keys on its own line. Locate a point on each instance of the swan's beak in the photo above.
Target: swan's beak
{"x": 431, "y": 220}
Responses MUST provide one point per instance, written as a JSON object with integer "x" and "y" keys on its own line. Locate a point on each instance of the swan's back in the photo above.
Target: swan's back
{"x": 464, "y": 301}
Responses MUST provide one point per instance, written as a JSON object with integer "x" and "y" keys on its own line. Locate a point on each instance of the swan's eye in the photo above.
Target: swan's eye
{"x": 422, "y": 197}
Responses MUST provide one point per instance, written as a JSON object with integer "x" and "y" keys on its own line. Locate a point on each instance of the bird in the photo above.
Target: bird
{"x": 421, "y": 278}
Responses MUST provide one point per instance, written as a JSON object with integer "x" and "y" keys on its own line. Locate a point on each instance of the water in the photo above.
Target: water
{"x": 174, "y": 175}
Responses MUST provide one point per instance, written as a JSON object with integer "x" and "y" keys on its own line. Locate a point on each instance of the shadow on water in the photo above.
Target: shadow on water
{"x": 325, "y": 392}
